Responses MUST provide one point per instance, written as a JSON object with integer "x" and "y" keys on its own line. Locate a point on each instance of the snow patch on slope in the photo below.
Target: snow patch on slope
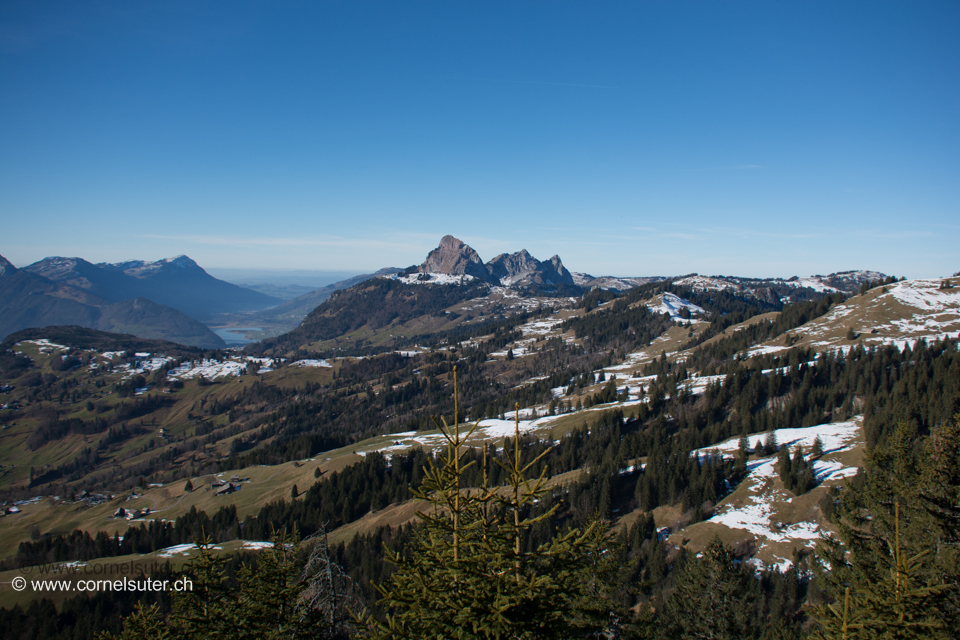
{"x": 671, "y": 304}
{"x": 756, "y": 514}
{"x": 310, "y": 363}
{"x": 926, "y": 295}
{"x": 432, "y": 278}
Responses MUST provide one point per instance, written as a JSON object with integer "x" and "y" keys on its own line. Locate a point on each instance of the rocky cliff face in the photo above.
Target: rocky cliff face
{"x": 522, "y": 269}
{"x": 508, "y": 269}
{"x": 456, "y": 258}
{"x": 557, "y": 274}
{"x": 453, "y": 257}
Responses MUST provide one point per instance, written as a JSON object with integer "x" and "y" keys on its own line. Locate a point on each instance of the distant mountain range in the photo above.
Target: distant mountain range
{"x": 157, "y": 300}
{"x": 176, "y": 282}
{"x": 454, "y": 287}
{"x": 455, "y": 258}
{"x": 168, "y": 299}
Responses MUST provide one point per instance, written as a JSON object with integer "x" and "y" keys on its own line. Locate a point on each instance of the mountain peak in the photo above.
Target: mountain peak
{"x": 181, "y": 261}
{"x": 454, "y": 257}
{"x": 6, "y": 268}
{"x": 510, "y": 268}
{"x": 59, "y": 268}
{"x": 142, "y": 268}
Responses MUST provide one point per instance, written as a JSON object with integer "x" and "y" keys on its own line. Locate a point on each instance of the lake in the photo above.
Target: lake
{"x": 234, "y": 336}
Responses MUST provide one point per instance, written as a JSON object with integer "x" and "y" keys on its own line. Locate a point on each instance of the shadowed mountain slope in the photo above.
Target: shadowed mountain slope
{"x": 30, "y": 300}
{"x": 177, "y": 282}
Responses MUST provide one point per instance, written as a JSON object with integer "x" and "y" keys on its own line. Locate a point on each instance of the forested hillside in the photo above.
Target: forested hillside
{"x": 655, "y": 433}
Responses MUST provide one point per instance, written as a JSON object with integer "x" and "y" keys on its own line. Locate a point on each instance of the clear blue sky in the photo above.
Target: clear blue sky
{"x": 634, "y": 138}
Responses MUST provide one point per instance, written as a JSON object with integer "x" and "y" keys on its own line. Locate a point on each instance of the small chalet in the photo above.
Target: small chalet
{"x": 228, "y": 488}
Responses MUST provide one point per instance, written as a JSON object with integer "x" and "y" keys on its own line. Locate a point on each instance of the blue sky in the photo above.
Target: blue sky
{"x": 636, "y": 138}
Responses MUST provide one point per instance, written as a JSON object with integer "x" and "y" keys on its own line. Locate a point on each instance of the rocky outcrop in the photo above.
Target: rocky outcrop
{"x": 557, "y": 274}
{"x": 519, "y": 269}
{"x": 510, "y": 268}
{"x": 522, "y": 269}
{"x": 454, "y": 257}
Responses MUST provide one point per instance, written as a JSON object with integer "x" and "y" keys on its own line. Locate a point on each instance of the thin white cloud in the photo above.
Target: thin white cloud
{"x": 237, "y": 241}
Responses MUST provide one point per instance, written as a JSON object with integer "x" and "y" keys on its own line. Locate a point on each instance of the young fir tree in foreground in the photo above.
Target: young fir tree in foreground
{"x": 894, "y": 569}
{"x": 469, "y": 574}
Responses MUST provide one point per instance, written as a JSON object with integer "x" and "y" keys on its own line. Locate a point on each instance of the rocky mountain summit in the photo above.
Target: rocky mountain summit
{"x": 454, "y": 257}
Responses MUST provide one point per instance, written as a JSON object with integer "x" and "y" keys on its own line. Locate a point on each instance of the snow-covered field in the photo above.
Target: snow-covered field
{"x": 672, "y": 304}
{"x": 310, "y": 363}
{"x": 532, "y": 332}
{"x": 926, "y": 295}
{"x": 145, "y": 366}
{"x": 835, "y": 436}
{"x": 765, "y": 349}
{"x": 489, "y": 429}
{"x": 179, "y": 550}
{"x": 898, "y": 315}
{"x": 698, "y": 384}
{"x": 432, "y": 278}
{"x": 512, "y": 301}
{"x": 209, "y": 369}
{"x": 541, "y": 328}
{"x": 810, "y": 282}
{"x": 706, "y": 283}
{"x": 757, "y": 512}
{"x": 44, "y": 345}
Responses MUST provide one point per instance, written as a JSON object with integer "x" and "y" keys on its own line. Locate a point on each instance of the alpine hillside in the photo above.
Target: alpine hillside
{"x": 692, "y": 415}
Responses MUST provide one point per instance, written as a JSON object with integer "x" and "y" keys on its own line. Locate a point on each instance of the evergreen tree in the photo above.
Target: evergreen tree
{"x": 743, "y": 453}
{"x": 144, "y": 622}
{"x": 266, "y": 605}
{"x": 893, "y": 570}
{"x": 817, "y": 450}
{"x": 770, "y": 445}
{"x": 469, "y": 574}
{"x": 894, "y": 607}
{"x": 206, "y": 610}
{"x": 711, "y": 598}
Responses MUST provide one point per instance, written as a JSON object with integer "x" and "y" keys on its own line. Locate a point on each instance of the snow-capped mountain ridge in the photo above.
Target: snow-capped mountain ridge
{"x": 142, "y": 268}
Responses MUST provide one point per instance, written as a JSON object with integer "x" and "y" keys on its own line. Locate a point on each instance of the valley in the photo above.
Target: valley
{"x": 665, "y": 407}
